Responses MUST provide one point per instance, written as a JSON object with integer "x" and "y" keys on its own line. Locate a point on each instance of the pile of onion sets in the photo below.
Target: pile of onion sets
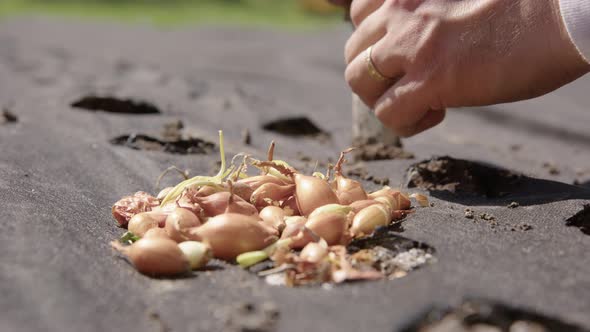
{"x": 301, "y": 222}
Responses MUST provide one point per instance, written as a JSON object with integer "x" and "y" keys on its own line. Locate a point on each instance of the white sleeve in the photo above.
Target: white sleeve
{"x": 576, "y": 15}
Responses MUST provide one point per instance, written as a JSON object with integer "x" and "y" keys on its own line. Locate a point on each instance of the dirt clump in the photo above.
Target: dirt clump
{"x": 295, "y": 126}
{"x": 372, "y": 149}
{"x": 462, "y": 177}
{"x": 115, "y": 105}
{"x": 7, "y": 116}
{"x": 581, "y": 220}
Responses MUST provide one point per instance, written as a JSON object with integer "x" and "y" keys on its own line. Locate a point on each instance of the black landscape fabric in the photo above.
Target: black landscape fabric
{"x": 60, "y": 174}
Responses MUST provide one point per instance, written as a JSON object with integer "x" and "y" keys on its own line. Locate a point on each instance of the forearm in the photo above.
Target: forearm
{"x": 576, "y": 15}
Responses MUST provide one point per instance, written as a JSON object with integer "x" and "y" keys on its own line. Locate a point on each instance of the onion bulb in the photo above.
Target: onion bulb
{"x": 197, "y": 253}
{"x": 368, "y": 219}
{"x": 140, "y": 223}
{"x": 359, "y": 205}
{"x": 312, "y": 193}
{"x": 274, "y": 217}
{"x": 271, "y": 192}
{"x": 313, "y": 252}
{"x": 178, "y": 221}
{"x": 156, "y": 232}
{"x": 217, "y": 203}
{"x": 330, "y": 226}
{"x": 155, "y": 256}
{"x": 231, "y": 234}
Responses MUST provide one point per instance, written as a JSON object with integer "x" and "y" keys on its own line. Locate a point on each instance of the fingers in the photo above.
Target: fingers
{"x": 368, "y": 33}
{"x": 361, "y": 9}
{"x": 385, "y": 61}
{"x": 406, "y": 108}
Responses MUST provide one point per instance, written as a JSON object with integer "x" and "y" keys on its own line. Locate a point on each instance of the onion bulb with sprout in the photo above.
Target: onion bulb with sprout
{"x": 140, "y": 223}
{"x": 197, "y": 253}
{"x": 270, "y": 192}
{"x": 347, "y": 190}
{"x": 178, "y": 221}
{"x": 311, "y": 193}
{"x": 231, "y": 234}
{"x": 368, "y": 219}
{"x": 155, "y": 256}
{"x": 199, "y": 181}
{"x": 250, "y": 258}
{"x": 274, "y": 217}
{"x": 164, "y": 192}
{"x": 125, "y": 208}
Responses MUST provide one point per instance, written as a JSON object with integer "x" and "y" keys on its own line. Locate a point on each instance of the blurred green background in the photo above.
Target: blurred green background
{"x": 285, "y": 13}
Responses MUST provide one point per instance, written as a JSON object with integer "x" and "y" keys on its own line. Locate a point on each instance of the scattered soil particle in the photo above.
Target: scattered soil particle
{"x": 372, "y": 149}
{"x": 581, "y": 220}
{"x": 469, "y": 214}
{"x": 487, "y": 217}
{"x": 295, "y": 126}
{"x": 513, "y": 205}
{"x": 7, "y": 116}
{"x": 462, "y": 176}
{"x": 359, "y": 170}
{"x": 192, "y": 145}
{"x": 163, "y": 327}
{"x": 172, "y": 131}
{"x": 551, "y": 168}
{"x": 484, "y": 315}
{"x": 521, "y": 227}
{"x": 115, "y": 105}
{"x": 248, "y": 316}
{"x": 515, "y": 147}
{"x": 246, "y": 137}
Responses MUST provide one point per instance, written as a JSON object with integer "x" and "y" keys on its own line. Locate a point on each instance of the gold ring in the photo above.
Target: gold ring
{"x": 373, "y": 71}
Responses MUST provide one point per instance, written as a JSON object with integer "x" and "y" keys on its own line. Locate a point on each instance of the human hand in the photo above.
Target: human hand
{"x": 446, "y": 53}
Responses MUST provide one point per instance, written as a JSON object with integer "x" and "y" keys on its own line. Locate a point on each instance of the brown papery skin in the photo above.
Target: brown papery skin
{"x": 272, "y": 192}
{"x": 294, "y": 230}
{"x": 329, "y": 226}
{"x": 349, "y": 191}
{"x": 142, "y": 222}
{"x": 254, "y": 182}
{"x": 359, "y": 205}
{"x": 231, "y": 234}
{"x": 157, "y": 257}
{"x": 125, "y": 208}
{"x": 216, "y": 204}
{"x": 312, "y": 192}
{"x": 291, "y": 203}
{"x": 242, "y": 190}
{"x": 179, "y": 220}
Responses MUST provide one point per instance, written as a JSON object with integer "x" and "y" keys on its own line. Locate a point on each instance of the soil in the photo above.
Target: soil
{"x": 581, "y": 220}
{"x": 295, "y": 126}
{"x": 115, "y": 105}
{"x": 179, "y": 145}
{"x": 484, "y": 315}
{"x": 7, "y": 117}
{"x": 462, "y": 177}
{"x": 371, "y": 150}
